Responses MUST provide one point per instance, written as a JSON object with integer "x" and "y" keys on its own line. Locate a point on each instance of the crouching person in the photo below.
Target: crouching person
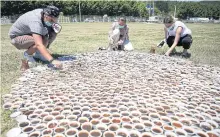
{"x": 177, "y": 34}
{"x": 35, "y": 31}
{"x": 118, "y": 36}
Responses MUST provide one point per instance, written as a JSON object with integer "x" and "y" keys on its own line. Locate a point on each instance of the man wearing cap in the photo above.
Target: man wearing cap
{"x": 118, "y": 36}
{"x": 35, "y": 31}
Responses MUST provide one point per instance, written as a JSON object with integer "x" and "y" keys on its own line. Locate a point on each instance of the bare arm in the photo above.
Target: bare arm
{"x": 165, "y": 31}
{"x": 177, "y": 38}
{"x": 39, "y": 43}
{"x": 111, "y": 29}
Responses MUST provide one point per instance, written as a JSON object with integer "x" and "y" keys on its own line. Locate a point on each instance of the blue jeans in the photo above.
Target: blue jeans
{"x": 38, "y": 55}
{"x": 126, "y": 42}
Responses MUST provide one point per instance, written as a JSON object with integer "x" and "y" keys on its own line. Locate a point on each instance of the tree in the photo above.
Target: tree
{"x": 162, "y": 6}
{"x": 118, "y": 8}
{"x": 142, "y": 10}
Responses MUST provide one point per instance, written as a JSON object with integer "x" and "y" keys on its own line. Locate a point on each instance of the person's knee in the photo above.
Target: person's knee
{"x": 186, "y": 45}
{"x": 23, "y": 42}
{"x": 115, "y": 35}
{"x": 13, "y": 42}
{"x": 170, "y": 41}
{"x": 186, "y": 42}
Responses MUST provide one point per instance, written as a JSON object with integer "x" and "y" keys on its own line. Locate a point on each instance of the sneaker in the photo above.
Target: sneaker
{"x": 29, "y": 58}
{"x": 173, "y": 52}
{"x": 119, "y": 47}
{"x": 186, "y": 55}
{"x": 102, "y": 48}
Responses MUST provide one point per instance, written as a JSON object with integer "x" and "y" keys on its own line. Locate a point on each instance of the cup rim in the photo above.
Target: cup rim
{"x": 168, "y": 126}
{"x": 69, "y": 130}
{"x": 176, "y": 122}
{"x": 59, "y": 127}
{"x": 199, "y": 131}
{"x": 181, "y": 130}
{"x": 135, "y": 131}
{"x": 101, "y": 124}
{"x": 95, "y": 130}
{"x": 171, "y": 132}
{"x": 53, "y": 121}
{"x": 24, "y": 121}
{"x": 47, "y": 129}
{"x": 148, "y": 133}
{"x": 28, "y": 127}
{"x": 74, "y": 122}
{"x": 158, "y": 128}
{"x": 214, "y": 132}
{"x": 189, "y": 127}
{"x": 59, "y": 134}
{"x": 123, "y": 130}
{"x": 36, "y": 132}
{"x": 82, "y": 131}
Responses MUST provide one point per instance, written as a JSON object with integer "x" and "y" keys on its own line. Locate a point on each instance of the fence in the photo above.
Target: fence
{"x": 94, "y": 18}
{"x": 9, "y": 19}
{"x": 76, "y": 18}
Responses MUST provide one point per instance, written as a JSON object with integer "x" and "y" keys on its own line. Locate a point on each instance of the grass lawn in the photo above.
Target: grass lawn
{"x": 85, "y": 37}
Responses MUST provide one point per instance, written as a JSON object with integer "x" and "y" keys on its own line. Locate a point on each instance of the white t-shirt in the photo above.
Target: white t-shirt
{"x": 177, "y": 24}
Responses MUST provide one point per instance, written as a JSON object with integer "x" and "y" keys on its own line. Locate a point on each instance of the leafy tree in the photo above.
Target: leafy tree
{"x": 163, "y": 6}
{"x": 184, "y": 9}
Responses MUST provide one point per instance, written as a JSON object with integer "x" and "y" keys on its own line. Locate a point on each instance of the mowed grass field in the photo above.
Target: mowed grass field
{"x": 86, "y": 37}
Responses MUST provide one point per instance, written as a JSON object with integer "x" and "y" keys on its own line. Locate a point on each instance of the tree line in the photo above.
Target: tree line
{"x": 184, "y": 9}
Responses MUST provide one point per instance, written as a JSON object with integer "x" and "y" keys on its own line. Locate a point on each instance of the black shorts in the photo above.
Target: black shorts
{"x": 185, "y": 41}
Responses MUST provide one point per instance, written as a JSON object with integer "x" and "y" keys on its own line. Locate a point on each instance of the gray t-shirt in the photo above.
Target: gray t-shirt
{"x": 28, "y": 23}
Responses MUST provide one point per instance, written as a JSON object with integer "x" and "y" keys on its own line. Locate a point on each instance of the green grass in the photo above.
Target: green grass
{"x": 85, "y": 37}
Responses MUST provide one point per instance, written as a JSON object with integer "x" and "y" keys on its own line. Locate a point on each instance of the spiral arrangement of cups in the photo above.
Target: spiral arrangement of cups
{"x": 110, "y": 94}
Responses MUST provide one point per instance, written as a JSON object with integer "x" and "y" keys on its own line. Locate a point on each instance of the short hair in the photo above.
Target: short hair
{"x": 122, "y": 19}
{"x": 168, "y": 19}
{"x": 51, "y": 11}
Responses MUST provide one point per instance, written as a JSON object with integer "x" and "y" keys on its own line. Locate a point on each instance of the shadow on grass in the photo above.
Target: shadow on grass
{"x": 179, "y": 54}
{"x": 61, "y": 57}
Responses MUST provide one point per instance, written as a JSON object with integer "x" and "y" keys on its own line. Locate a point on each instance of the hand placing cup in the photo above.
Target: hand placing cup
{"x": 57, "y": 64}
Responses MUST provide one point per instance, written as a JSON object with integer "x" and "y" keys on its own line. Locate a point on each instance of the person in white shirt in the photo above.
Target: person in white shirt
{"x": 118, "y": 36}
{"x": 177, "y": 34}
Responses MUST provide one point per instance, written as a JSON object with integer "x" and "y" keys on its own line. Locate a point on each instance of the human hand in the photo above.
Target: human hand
{"x": 120, "y": 42}
{"x": 167, "y": 53}
{"x": 57, "y": 64}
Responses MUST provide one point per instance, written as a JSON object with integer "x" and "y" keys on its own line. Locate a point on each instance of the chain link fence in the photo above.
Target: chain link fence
{"x": 77, "y": 18}
{"x": 95, "y": 18}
